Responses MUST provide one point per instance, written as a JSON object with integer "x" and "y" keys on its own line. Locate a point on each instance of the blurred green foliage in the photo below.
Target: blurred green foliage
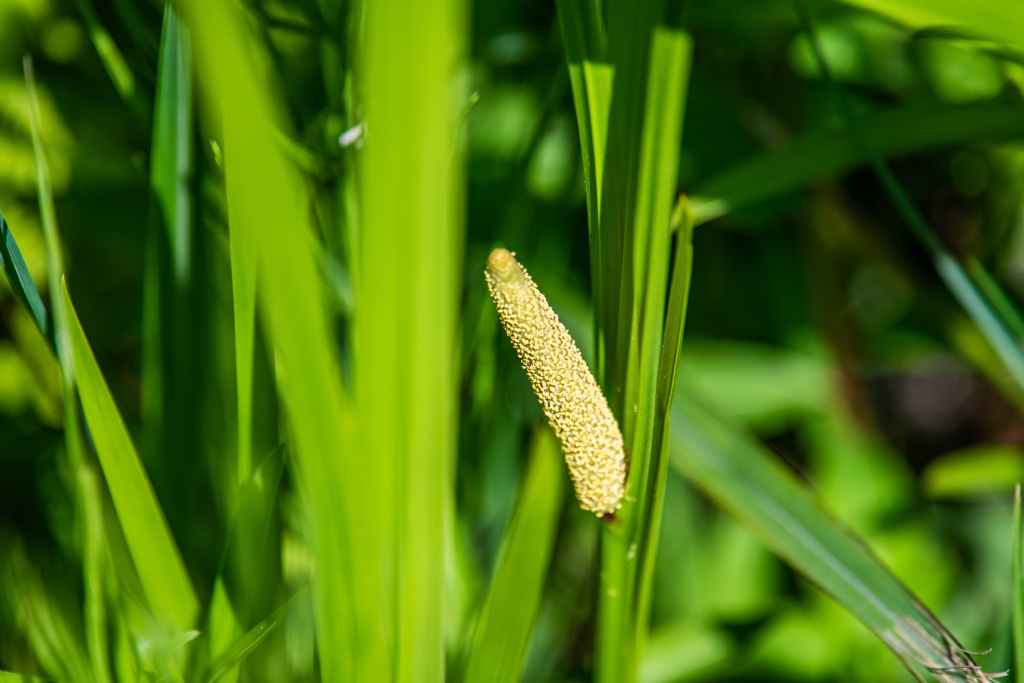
{"x": 815, "y": 321}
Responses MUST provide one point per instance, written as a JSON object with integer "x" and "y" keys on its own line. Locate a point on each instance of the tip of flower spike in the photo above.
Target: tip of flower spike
{"x": 502, "y": 263}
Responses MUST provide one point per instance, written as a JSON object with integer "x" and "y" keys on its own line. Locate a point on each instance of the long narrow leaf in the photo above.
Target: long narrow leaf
{"x": 113, "y": 61}
{"x": 8, "y": 677}
{"x": 513, "y": 600}
{"x": 995, "y": 19}
{"x": 1018, "y": 589}
{"x": 408, "y": 300}
{"x": 675, "y": 322}
{"x": 345, "y": 504}
{"x": 89, "y": 507}
{"x": 629, "y": 546}
{"x": 171, "y": 155}
{"x": 20, "y": 280}
{"x": 895, "y": 132}
{"x": 742, "y": 478}
{"x": 243, "y": 299}
{"x": 154, "y": 552}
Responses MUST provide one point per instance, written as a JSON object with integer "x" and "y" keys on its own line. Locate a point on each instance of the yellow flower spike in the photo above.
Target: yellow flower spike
{"x": 572, "y": 401}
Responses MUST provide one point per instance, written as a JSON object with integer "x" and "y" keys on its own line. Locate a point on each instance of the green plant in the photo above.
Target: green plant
{"x": 319, "y": 457}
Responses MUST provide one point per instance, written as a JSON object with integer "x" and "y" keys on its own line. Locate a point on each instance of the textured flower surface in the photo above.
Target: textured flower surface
{"x": 571, "y": 398}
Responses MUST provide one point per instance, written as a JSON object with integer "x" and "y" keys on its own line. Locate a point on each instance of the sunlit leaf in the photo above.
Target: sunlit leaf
{"x": 154, "y": 552}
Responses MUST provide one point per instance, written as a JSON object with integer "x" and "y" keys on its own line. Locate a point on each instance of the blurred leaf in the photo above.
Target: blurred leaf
{"x": 243, "y": 299}
{"x": 47, "y": 626}
{"x": 1018, "y": 589}
{"x": 764, "y": 387}
{"x": 234, "y": 655}
{"x": 55, "y": 274}
{"x": 20, "y": 280}
{"x": 820, "y": 154}
{"x": 113, "y": 61}
{"x": 241, "y": 570}
{"x": 995, "y": 295}
{"x": 87, "y": 494}
{"x": 154, "y": 552}
{"x": 346, "y": 501}
{"x": 997, "y": 19}
{"x": 8, "y": 677}
{"x": 741, "y": 477}
{"x": 95, "y": 570}
{"x": 978, "y": 470}
{"x": 964, "y": 290}
{"x": 171, "y": 154}
{"x": 241, "y": 564}
{"x": 407, "y": 303}
{"x": 679, "y": 653}
{"x": 507, "y": 618}
{"x": 222, "y": 628}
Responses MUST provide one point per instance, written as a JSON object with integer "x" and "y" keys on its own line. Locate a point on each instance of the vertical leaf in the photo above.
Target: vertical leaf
{"x": 513, "y": 600}
{"x": 628, "y": 543}
{"x": 171, "y": 156}
{"x": 243, "y": 299}
{"x": 1018, "y": 589}
{"x": 675, "y": 321}
{"x": 172, "y": 356}
{"x": 89, "y": 508}
{"x": 406, "y": 318}
{"x": 154, "y": 553}
{"x": 270, "y": 203}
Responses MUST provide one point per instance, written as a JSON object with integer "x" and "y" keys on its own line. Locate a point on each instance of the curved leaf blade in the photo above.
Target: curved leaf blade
{"x": 821, "y": 154}
{"x": 740, "y": 475}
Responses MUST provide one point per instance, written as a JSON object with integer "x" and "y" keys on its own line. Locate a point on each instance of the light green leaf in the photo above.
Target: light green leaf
{"x": 8, "y": 677}
{"x": 678, "y": 653}
{"x": 346, "y": 499}
{"x": 996, "y": 19}
{"x": 154, "y": 552}
{"x": 506, "y": 621}
{"x": 1018, "y": 589}
{"x": 407, "y": 305}
{"x": 978, "y": 470}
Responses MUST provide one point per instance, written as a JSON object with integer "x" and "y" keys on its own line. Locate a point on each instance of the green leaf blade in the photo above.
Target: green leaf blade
{"x": 21, "y": 282}
{"x": 513, "y": 600}
{"x": 817, "y": 155}
{"x": 1018, "y": 589}
{"x": 743, "y": 479}
{"x": 154, "y": 552}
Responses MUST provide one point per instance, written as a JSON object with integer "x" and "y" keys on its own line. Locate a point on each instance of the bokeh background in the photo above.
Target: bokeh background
{"x": 814, "y": 319}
